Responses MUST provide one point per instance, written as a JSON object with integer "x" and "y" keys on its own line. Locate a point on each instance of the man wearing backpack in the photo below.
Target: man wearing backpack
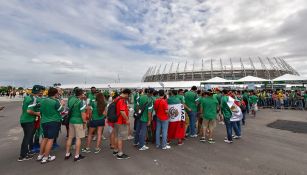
{"x": 77, "y": 124}
{"x": 121, "y": 126}
{"x": 145, "y": 109}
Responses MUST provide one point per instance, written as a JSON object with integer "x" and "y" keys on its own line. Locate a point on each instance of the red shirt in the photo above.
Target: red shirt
{"x": 160, "y": 106}
{"x": 121, "y": 105}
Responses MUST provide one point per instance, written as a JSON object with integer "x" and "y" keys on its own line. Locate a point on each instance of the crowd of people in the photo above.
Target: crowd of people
{"x": 160, "y": 117}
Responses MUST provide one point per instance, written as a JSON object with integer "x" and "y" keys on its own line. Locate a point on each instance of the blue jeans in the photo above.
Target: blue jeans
{"x": 193, "y": 119}
{"x": 244, "y": 117}
{"x": 236, "y": 127}
{"x": 228, "y": 128}
{"x": 140, "y": 134}
{"x": 164, "y": 126}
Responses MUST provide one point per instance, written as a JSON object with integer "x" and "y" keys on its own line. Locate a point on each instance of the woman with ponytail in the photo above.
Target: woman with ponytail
{"x": 97, "y": 121}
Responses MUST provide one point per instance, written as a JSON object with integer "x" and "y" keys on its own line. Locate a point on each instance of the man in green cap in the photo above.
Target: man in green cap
{"x": 30, "y": 110}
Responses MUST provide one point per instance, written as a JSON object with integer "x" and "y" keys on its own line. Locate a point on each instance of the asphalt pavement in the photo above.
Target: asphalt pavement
{"x": 262, "y": 150}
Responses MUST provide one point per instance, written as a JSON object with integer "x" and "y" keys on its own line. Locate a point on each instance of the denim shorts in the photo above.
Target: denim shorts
{"x": 51, "y": 129}
{"x": 96, "y": 123}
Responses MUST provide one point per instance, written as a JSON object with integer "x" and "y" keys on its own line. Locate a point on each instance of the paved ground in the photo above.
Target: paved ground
{"x": 262, "y": 150}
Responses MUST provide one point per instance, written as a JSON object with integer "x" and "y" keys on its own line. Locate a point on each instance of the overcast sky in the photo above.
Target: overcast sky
{"x": 94, "y": 41}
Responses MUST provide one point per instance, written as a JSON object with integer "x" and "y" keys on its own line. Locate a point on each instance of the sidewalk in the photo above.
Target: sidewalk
{"x": 7, "y": 99}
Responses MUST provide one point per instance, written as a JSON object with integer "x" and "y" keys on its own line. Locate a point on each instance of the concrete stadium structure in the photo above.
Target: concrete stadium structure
{"x": 231, "y": 69}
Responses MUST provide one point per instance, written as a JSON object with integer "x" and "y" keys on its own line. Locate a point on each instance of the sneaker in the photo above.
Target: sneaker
{"x": 236, "y": 137}
{"x": 86, "y": 150}
{"x": 67, "y": 157}
{"x": 135, "y": 144}
{"x": 97, "y": 150}
{"x": 180, "y": 143}
{"x": 144, "y": 148}
{"x": 103, "y": 137}
{"x": 115, "y": 153}
{"x": 49, "y": 159}
{"x": 20, "y": 159}
{"x": 31, "y": 153}
{"x": 211, "y": 141}
{"x": 228, "y": 141}
{"x": 130, "y": 137}
{"x": 203, "y": 139}
{"x": 79, "y": 158}
{"x": 94, "y": 138}
{"x": 123, "y": 156}
{"x": 166, "y": 147}
{"x": 40, "y": 157}
{"x": 193, "y": 136}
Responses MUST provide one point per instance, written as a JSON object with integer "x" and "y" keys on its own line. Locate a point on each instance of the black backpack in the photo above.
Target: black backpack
{"x": 66, "y": 118}
{"x": 111, "y": 114}
{"x": 138, "y": 114}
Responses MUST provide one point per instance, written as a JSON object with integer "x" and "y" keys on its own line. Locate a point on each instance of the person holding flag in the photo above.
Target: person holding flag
{"x": 176, "y": 128}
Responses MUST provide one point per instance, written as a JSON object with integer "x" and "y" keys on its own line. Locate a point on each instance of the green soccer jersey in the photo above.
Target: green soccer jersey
{"x": 77, "y": 107}
{"x": 181, "y": 98}
{"x": 95, "y": 114}
{"x": 90, "y": 97}
{"x": 209, "y": 106}
{"x": 29, "y": 102}
{"x": 172, "y": 100}
{"x": 225, "y": 108}
{"x": 51, "y": 110}
{"x": 148, "y": 108}
{"x": 253, "y": 99}
{"x": 191, "y": 99}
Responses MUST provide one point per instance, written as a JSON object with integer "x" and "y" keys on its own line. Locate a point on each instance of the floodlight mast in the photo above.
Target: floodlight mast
{"x": 242, "y": 67}
{"x": 253, "y": 67}
{"x": 267, "y": 73}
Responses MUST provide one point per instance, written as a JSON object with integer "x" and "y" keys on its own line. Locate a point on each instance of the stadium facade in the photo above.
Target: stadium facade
{"x": 231, "y": 69}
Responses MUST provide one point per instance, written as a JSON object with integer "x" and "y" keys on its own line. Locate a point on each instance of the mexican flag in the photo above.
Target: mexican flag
{"x": 176, "y": 127}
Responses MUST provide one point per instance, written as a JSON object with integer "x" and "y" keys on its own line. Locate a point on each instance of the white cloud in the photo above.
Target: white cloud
{"x": 74, "y": 41}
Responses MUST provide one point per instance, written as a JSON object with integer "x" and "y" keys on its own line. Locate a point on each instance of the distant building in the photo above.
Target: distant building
{"x": 231, "y": 69}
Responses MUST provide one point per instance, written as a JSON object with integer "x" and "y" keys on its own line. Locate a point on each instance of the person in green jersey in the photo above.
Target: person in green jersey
{"x": 97, "y": 121}
{"x": 145, "y": 108}
{"x": 90, "y": 97}
{"x": 305, "y": 99}
{"x": 209, "y": 110}
{"x": 27, "y": 120}
{"x": 253, "y": 99}
{"x": 226, "y": 115}
{"x": 77, "y": 124}
{"x": 50, "y": 109}
{"x": 191, "y": 99}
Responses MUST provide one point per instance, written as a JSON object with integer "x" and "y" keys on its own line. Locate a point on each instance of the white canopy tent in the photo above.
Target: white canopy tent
{"x": 216, "y": 80}
{"x": 288, "y": 78}
{"x": 252, "y": 79}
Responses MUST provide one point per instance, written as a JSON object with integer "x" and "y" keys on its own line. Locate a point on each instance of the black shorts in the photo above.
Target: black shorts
{"x": 51, "y": 129}
{"x": 96, "y": 123}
